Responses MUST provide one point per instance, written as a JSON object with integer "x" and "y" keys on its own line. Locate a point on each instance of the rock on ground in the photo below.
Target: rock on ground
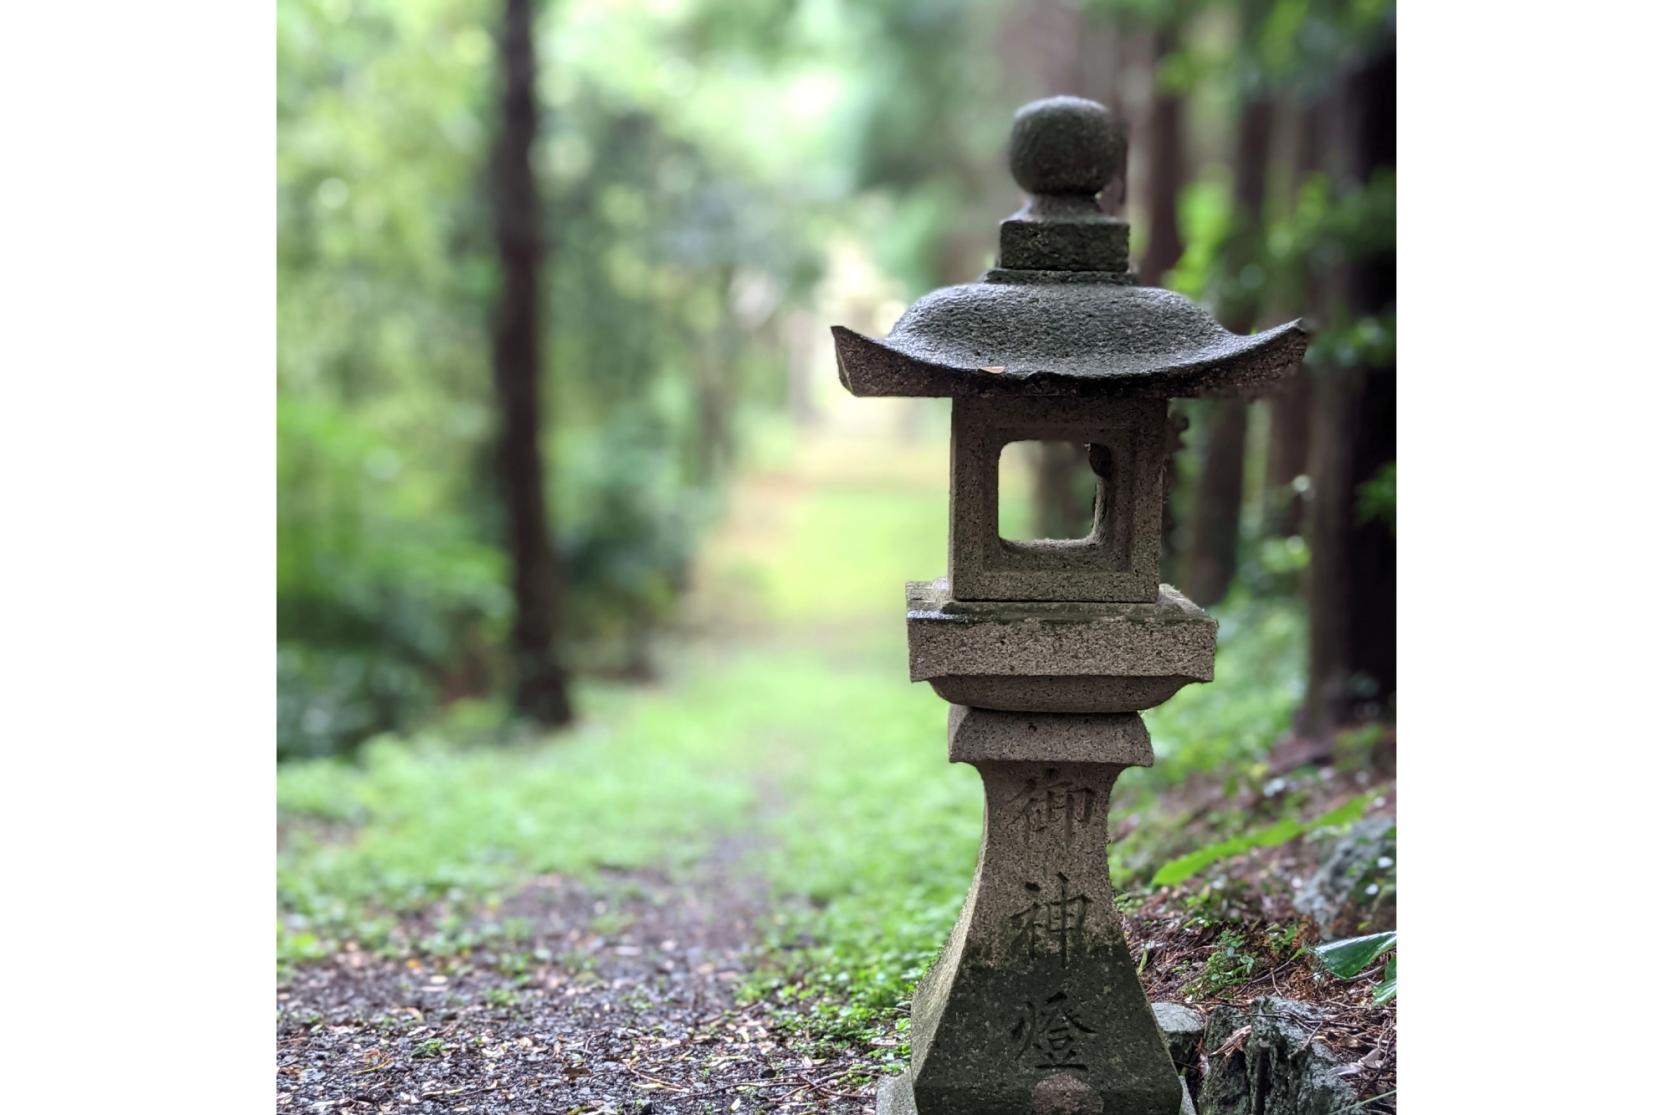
{"x": 1262, "y": 1060}
{"x": 1183, "y": 1029}
{"x": 1336, "y": 896}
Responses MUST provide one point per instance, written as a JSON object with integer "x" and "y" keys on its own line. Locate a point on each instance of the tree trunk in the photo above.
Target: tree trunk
{"x": 1350, "y": 590}
{"x": 1164, "y": 176}
{"x": 1286, "y": 459}
{"x": 715, "y": 371}
{"x": 1216, "y": 510}
{"x": 1289, "y": 436}
{"x": 1335, "y": 414}
{"x": 1211, "y": 562}
{"x": 1165, "y": 167}
{"x": 540, "y": 688}
{"x": 800, "y": 367}
{"x": 1059, "y": 511}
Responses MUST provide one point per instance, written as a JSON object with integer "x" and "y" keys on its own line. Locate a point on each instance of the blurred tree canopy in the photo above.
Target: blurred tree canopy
{"x": 693, "y": 159}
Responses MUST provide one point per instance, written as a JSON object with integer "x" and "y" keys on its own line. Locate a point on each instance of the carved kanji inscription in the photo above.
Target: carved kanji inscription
{"x": 1051, "y": 923}
{"x": 1049, "y": 1034}
{"x": 1051, "y": 803}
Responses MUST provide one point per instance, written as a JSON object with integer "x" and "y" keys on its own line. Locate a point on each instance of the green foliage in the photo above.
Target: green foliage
{"x": 1389, "y": 987}
{"x": 858, "y": 844}
{"x": 627, "y": 526}
{"x": 1206, "y": 219}
{"x": 437, "y": 825}
{"x": 841, "y": 967}
{"x": 1229, "y": 727}
{"x": 1275, "y": 567}
{"x": 674, "y": 246}
{"x": 684, "y": 216}
{"x": 1326, "y": 226}
{"x": 1270, "y": 836}
{"x": 1360, "y": 343}
{"x": 848, "y": 736}
{"x": 383, "y": 588}
{"x": 698, "y": 158}
{"x": 1300, "y": 43}
{"x": 1347, "y": 959}
{"x": 1229, "y": 965}
{"x": 1376, "y": 497}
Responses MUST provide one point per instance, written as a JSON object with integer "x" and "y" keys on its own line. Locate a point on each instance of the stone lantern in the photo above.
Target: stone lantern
{"x": 1047, "y": 650}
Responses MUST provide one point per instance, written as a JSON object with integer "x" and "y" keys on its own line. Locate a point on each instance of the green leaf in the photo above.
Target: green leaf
{"x": 1280, "y": 832}
{"x": 1385, "y": 990}
{"x": 1346, "y": 959}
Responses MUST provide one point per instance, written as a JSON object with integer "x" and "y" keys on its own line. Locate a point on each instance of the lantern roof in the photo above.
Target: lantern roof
{"x": 1061, "y": 314}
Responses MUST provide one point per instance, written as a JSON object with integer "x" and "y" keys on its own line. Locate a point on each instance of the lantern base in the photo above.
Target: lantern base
{"x": 894, "y": 1097}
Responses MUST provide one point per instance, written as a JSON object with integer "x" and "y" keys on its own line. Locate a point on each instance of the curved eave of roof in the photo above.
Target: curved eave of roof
{"x": 1078, "y": 340}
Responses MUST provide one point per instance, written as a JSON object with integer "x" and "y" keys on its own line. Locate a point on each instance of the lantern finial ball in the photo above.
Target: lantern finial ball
{"x": 1065, "y": 145}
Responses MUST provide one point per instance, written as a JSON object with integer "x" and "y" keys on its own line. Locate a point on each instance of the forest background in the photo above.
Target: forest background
{"x": 718, "y": 183}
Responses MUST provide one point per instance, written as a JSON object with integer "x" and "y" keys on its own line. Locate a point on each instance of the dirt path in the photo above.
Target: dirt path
{"x": 618, "y": 998}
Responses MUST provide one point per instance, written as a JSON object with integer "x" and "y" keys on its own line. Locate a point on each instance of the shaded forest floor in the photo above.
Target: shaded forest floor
{"x": 717, "y": 892}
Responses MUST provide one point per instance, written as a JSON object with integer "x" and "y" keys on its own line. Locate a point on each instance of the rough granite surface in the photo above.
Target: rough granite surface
{"x": 1035, "y": 1005}
{"x": 1056, "y": 657}
{"x": 1065, "y": 146}
{"x": 1060, "y": 315}
{"x": 1064, "y": 150}
{"x": 1082, "y": 339}
{"x": 986, "y": 735}
{"x": 1275, "y": 1069}
{"x": 894, "y": 1097}
{"x": 1095, "y": 243}
{"x": 1183, "y": 1028}
{"x": 1118, "y": 560}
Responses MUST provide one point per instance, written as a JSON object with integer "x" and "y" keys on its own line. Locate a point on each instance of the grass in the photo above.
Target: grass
{"x": 435, "y": 826}
{"x": 653, "y": 775}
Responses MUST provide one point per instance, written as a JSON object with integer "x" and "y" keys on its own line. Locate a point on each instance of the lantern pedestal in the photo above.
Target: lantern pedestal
{"x": 1034, "y": 1005}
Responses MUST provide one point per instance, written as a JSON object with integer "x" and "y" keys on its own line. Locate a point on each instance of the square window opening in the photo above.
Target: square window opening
{"x": 1050, "y": 491}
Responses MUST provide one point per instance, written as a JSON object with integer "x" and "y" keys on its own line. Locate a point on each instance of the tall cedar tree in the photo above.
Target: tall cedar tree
{"x": 1164, "y": 138}
{"x": 1211, "y": 561}
{"x": 541, "y": 690}
{"x": 1351, "y": 574}
{"x": 1288, "y": 436}
{"x": 1164, "y": 135}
